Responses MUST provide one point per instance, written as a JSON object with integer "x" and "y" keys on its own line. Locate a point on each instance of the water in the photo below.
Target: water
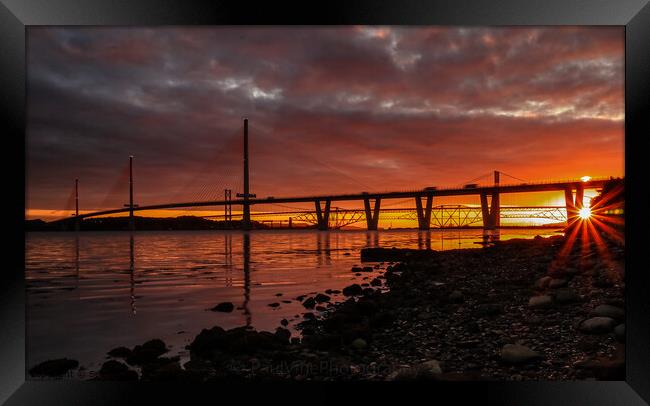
{"x": 90, "y": 292}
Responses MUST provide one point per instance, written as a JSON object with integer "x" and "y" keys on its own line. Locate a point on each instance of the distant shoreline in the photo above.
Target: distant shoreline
{"x": 190, "y": 223}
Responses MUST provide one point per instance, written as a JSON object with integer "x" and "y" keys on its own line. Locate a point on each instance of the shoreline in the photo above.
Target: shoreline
{"x": 464, "y": 314}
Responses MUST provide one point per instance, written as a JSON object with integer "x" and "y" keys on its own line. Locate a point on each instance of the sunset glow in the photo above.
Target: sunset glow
{"x": 332, "y": 110}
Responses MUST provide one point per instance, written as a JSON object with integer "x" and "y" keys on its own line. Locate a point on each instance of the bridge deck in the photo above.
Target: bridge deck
{"x": 514, "y": 188}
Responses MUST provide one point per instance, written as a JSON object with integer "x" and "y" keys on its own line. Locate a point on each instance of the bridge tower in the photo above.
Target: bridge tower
{"x": 246, "y": 220}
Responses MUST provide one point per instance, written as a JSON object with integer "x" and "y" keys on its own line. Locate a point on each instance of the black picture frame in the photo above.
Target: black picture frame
{"x": 16, "y": 15}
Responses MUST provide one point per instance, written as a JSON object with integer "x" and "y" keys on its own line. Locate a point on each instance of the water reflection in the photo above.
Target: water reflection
{"x": 132, "y": 272}
{"x": 491, "y": 236}
{"x": 323, "y": 250}
{"x": 372, "y": 239}
{"x": 247, "y": 277}
{"x": 227, "y": 259}
{"x": 79, "y": 308}
{"x": 424, "y": 240}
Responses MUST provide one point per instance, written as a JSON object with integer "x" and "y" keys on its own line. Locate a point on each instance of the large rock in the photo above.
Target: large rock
{"x": 54, "y": 367}
{"x": 225, "y": 307}
{"x": 517, "y": 354}
{"x": 456, "y": 296}
{"x": 428, "y": 370}
{"x": 120, "y": 352}
{"x": 359, "y": 344}
{"x": 147, "y": 352}
{"x": 605, "y": 310}
{"x": 310, "y": 303}
{"x": 620, "y": 332}
{"x": 116, "y": 371}
{"x": 283, "y": 334}
{"x": 540, "y": 301}
{"x": 597, "y": 325}
{"x": 321, "y": 298}
{"x": 352, "y": 290}
{"x": 557, "y": 283}
{"x": 564, "y": 296}
{"x": 542, "y": 283}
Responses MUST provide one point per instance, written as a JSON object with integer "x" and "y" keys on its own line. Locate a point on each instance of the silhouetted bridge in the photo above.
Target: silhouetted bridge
{"x": 490, "y": 212}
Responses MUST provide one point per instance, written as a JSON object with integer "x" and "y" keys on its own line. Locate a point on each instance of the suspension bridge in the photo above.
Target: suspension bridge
{"x": 324, "y": 215}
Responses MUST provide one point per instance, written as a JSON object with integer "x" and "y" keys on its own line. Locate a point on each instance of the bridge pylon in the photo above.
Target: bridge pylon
{"x": 372, "y": 216}
{"x": 424, "y": 216}
{"x": 323, "y": 215}
{"x": 492, "y": 213}
{"x": 573, "y": 205}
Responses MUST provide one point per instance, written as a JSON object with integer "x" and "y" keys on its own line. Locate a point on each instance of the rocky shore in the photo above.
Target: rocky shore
{"x": 539, "y": 309}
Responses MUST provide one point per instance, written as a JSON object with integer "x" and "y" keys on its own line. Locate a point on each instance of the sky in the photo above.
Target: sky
{"x": 331, "y": 109}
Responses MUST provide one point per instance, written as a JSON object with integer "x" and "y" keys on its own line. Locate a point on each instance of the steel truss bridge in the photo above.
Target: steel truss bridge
{"x": 442, "y": 216}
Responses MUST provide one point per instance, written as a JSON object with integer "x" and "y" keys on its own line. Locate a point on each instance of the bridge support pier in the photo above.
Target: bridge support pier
{"x": 323, "y": 215}
{"x": 491, "y": 213}
{"x": 424, "y": 216}
{"x": 372, "y": 216}
{"x": 573, "y": 205}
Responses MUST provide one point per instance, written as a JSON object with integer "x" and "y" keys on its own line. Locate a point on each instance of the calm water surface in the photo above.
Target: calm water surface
{"x": 90, "y": 292}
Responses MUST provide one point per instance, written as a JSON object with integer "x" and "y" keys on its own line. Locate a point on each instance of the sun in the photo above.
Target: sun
{"x": 584, "y": 213}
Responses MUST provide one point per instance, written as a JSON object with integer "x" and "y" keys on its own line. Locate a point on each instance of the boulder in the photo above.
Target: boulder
{"x": 120, "y": 352}
{"x": 283, "y": 334}
{"x": 557, "y": 283}
{"x": 429, "y": 370}
{"x": 597, "y": 325}
{"x": 542, "y": 283}
{"x": 309, "y": 303}
{"x": 489, "y": 309}
{"x": 54, "y": 367}
{"x": 352, "y": 290}
{"x": 564, "y": 296}
{"x": 359, "y": 344}
{"x": 518, "y": 354}
{"x": 540, "y": 301}
{"x": 146, "y": 352}
{"x": 620, "y": 332}
{"x": 456, "y": 296}
{"x": 116, "y": 371}
{"x": 605, "y": 310}
{"x": 321, "y": 298}
{"x": 225, "y": 307}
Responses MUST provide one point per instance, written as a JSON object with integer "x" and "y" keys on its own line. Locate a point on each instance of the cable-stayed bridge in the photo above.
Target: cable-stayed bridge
{"x": 325, "y": 215}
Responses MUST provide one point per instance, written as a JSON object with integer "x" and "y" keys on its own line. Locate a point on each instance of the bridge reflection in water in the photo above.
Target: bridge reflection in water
{"x": 323, "y": 252}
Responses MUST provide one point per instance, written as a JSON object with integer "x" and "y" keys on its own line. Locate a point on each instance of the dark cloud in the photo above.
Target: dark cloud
{"x": 335, "y": 109}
